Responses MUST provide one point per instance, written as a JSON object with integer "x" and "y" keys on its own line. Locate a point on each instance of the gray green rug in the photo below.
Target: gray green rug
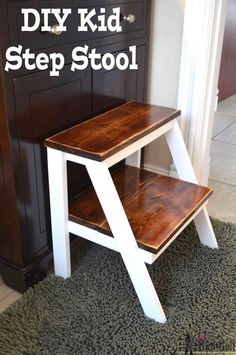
{"x": 97, "y": 311}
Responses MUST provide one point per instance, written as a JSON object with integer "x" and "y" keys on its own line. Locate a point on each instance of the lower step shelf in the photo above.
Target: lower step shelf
{"x": 156, "y": 206}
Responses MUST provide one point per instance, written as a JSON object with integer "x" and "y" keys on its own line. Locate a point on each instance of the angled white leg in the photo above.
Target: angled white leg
{"x": 59, "y": 212}
{"x": 205, "y": 230}
{"x": 186, "y": 172}
{"x": 125, "y": 239}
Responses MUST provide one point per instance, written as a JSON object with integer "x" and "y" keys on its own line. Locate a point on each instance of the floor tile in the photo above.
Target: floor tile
{"x": 4, "y": 289}
{"x": 221, "y": 121}
{"x": 228, "y": 106}
{"x": 9, "y": 300}
{"x": 222, "y": 204}
{"x": 223, "y": 162}
{"x": 228, "y": 135}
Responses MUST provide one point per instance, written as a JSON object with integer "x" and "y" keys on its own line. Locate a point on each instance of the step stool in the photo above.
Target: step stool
{"x": 132, "y": 211}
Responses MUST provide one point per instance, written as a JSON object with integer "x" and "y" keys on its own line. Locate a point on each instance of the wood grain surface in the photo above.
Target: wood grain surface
{"x": 156, "y": 206}
{"x": 106, "y": 134}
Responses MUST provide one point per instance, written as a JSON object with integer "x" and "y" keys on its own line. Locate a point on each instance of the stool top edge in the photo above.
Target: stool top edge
{"x": 108, "y": 133}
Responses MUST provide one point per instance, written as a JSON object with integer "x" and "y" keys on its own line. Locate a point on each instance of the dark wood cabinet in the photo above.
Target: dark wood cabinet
{"x": 127, "y": 85}
{"x": 38, "y": 40}
{"x": 46, "y": 104}
{"x": 34, "y": 105}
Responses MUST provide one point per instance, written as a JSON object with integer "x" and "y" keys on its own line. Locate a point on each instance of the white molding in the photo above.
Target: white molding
{"x": 200, "y": 62}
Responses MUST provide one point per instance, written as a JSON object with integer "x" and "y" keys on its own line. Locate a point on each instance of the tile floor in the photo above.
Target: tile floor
{"x": 7, "y": 296}
{"x": 223, "y": 162}
{"x": 222, "y": 178}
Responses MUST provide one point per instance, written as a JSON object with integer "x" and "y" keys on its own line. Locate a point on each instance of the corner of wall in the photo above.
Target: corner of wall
{"x": 164, "y": 67}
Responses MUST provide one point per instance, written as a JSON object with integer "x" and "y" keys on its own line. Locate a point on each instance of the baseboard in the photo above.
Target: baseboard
{"x": 21, "y": 278}
{"x": 160, "y": 170}
{"x": 173, "y": 171}
{"x": 156, "y": 169}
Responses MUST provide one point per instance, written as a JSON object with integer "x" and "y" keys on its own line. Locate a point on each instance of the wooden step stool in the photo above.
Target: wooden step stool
{"x": 132, "y": 211}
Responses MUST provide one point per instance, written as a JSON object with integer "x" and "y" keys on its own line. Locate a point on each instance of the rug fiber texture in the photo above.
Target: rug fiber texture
{"x": 96, "y": 311}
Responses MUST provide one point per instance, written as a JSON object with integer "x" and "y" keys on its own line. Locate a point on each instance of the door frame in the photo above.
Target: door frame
{"x": 204, "y": 23}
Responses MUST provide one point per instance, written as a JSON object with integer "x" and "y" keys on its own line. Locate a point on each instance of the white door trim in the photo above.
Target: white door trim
{"x": 203, "y": 31}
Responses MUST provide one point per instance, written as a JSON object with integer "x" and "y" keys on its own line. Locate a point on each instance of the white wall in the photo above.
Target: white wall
{"x": 165, "y": 51}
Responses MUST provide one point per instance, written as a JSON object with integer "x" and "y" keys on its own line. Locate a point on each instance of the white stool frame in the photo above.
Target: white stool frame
{"x": 124, "y": 240}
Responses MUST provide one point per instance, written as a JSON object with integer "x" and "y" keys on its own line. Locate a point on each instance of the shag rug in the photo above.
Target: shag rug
{"x": 96, "y": 311}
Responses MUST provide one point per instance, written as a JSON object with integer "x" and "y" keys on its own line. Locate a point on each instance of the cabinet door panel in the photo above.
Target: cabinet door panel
{"x": 45, "y": 105}
{"x": 114, "y": 87}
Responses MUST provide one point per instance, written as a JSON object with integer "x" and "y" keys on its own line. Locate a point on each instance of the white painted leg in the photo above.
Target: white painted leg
{"x": 186, "y": 172}
{"x": 59, "y": 212}
{"x": 125, "y": 239}
{"x": 180, "y": 155}
{"x": 205, "y": 230}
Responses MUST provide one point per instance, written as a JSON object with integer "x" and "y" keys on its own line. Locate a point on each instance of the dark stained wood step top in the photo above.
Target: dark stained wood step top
{"x": 156, "y": 206}
{"x": 106, "y": 134}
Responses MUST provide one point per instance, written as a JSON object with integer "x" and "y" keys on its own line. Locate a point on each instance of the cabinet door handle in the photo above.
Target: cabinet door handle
{"x": 130, "y": 18}
{"x": 55, "y": 30}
